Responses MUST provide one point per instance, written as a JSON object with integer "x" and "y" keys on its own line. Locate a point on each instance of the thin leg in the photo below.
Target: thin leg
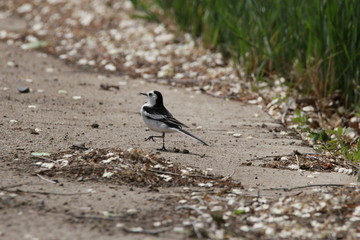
{"x": 163, "y": 137}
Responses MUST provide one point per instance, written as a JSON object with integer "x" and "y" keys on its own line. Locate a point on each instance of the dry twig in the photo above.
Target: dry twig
{"x": 42, "y": 193}
{"x": 179, "y": 175}
{"x": 15, "y": 185}
{"x": 148, "y": 231}
{"x": 191, "y": 207}
{"x": 307, "y": 186}
{"x": 45, "y": 179}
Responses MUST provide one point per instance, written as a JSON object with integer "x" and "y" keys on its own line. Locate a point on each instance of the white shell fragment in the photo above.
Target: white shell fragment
{"x": 110, "y": 67}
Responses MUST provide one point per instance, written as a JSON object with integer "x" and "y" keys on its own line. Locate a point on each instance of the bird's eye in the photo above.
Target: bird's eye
{"x": 150, "y": 94}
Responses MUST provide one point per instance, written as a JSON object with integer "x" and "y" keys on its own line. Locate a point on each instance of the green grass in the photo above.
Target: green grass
{"x": 314, "y": 44}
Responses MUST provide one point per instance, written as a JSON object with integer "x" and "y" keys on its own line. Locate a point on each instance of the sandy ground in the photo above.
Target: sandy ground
{"x": 64, "y": 121}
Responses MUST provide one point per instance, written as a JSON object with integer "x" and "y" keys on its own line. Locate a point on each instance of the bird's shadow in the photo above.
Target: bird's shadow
{"x": 184, "y": 151}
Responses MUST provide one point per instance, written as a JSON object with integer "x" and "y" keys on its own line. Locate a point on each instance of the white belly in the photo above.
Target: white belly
{"x": 157, "y": 126}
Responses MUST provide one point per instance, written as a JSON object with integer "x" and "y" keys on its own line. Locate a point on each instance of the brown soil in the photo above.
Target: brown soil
{"x": 77, "y": 204}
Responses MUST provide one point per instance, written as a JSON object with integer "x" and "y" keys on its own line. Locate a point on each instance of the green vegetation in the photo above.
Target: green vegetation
{"x": 314, "y": 44}
{"x": 338, "y": 141}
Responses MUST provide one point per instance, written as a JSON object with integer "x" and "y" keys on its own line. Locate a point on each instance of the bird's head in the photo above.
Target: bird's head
{"x": 154, "y": 98}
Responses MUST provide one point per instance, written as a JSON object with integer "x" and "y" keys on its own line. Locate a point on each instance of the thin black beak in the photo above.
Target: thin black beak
{"x": 143, "y": 93}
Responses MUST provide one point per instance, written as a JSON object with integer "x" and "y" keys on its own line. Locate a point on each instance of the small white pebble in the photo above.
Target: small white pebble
{"x": 119, "y": 225}
{"x": 48, "y": 165}
{"x": 131, "y": 211}
{"x": 107, "y": 174}
{"x": 10, "y": 63}
{"x": 244, "y": 228}
{"x": 157, "y": 224}
{"x": 49, "y": 70}
{"x": 237, "y": 135}
{"x": 110, "y": 67}
{"x": 308, "y": 109}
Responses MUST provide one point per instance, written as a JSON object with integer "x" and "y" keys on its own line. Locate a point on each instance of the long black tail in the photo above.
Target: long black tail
{"x": 190, "y": 135}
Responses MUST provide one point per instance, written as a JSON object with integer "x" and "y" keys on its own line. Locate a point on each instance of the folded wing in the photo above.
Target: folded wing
{"x": 162, "y": 115}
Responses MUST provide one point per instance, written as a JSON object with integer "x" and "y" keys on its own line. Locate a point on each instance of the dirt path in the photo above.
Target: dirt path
{"x": 64, "y": 120}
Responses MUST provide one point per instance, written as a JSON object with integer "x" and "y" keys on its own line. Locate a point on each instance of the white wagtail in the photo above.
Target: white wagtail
{"x": 159, "y": 119}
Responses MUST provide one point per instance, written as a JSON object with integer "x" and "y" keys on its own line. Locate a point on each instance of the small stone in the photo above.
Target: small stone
{"x": 157, "y": 224}
{"x": 25, "y": 8}
{"x": 47, "y": 165}
{"x": 110, "y": 67}
{"x": 61, "y": 91}
{"x": 186, "y": 151}
{"x": 119, "y": 225}
{"x": 95, "y": 125}
{"x": 23, "y": 89}
{"x": 131, "y": 211}
{"x": 80, "y": 145}
{"x": 11, "y": 64}
{"x": 107, "y": 174}
{"x": 33, "y": 131}
{"x": 308, "y": 109}
{"x": 237, "y": 135}
{"x": 49, "y": 70}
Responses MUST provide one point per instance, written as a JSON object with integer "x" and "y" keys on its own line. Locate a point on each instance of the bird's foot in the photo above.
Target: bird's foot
{"x": 150, "y": 138}
{"x": 162, "y": 149}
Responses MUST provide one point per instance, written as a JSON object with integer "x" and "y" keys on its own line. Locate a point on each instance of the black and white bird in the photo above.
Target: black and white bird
{"x": 159, "y": 119}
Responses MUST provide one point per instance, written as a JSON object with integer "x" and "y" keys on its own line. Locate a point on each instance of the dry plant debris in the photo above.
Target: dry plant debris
{"x": 325, "y": 214}
{"x": 132, "y": 166}
{"x": 309, "y": 162}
